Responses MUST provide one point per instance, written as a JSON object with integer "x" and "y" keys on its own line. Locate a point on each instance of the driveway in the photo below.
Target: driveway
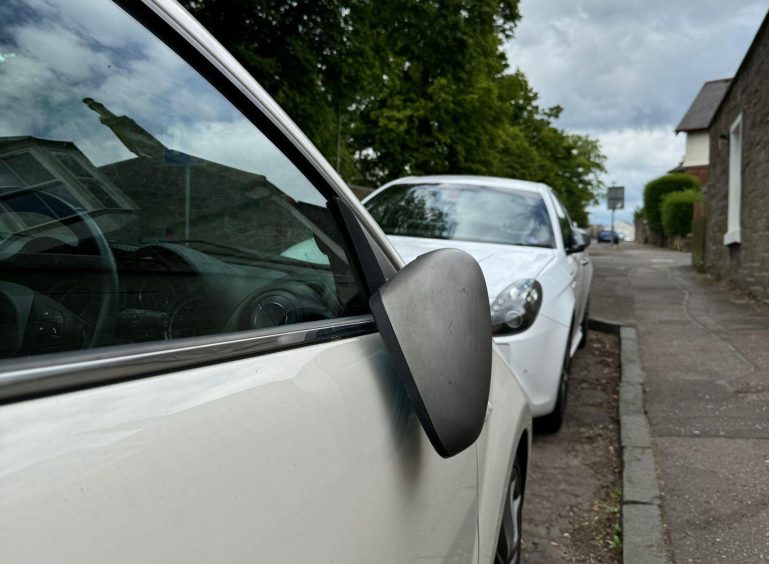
{"x": 705, "y": 352}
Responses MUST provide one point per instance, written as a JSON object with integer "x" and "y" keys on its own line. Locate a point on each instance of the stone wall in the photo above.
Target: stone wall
{"x": 746, "y": 264}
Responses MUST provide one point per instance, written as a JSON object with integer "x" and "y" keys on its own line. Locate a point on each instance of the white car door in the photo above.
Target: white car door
{"x": 177, "y": 390}
{"x": 578, "y": 266}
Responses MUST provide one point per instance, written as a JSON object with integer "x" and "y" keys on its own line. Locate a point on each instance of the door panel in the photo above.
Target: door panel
{"x": 507, "y": 423}
{"x": 305, "y": 455}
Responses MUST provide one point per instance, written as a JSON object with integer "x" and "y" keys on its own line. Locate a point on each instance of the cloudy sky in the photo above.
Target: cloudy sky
{"x": 625, "y": 72}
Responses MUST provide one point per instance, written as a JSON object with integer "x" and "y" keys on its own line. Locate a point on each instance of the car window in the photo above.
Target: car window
{"x": 463, "y": 212}
{"x": 137, "y": 203}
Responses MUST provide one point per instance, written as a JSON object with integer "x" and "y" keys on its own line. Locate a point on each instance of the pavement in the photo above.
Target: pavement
{"x": 704, "y": 352}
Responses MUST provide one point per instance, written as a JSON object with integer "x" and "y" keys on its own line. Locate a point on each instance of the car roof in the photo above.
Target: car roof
{"x": 490, "y": 181}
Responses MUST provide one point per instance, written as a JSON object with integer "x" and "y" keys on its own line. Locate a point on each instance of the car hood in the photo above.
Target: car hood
{"x": 501, "y": 264}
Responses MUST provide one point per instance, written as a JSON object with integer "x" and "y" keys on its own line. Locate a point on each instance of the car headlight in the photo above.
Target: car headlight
{"x": 516, "y": 307}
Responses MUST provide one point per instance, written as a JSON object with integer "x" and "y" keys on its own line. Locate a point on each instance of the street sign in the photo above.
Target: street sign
{"x": 616, "y": 197}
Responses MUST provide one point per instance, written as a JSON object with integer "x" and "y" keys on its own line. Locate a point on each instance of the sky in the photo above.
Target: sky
{"x": 625, "y": 73}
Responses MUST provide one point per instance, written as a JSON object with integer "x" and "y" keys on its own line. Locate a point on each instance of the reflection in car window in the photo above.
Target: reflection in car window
{"x": 466, "y": 213}
{"x": 136, "y": 202}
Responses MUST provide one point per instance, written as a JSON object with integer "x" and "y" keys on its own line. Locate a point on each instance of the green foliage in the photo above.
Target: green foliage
{"x": 638, "y": 213}
{"x": 404, "y": 87}
{"x": 658, "y": 188}
{"x": 677, "y": 209}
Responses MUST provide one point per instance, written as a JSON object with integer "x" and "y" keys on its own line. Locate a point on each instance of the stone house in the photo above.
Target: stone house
{"x": 695, "y": 124}
{"x": 737, "y": 195}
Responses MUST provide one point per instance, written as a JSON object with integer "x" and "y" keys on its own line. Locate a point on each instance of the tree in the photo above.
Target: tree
{"x": 404, "y": 87}
{"x": 306, "y": 54}
{"x": 658, "y": 188}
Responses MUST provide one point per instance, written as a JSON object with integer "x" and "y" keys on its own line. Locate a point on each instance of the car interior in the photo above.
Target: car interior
{"x": 89, "y": 260}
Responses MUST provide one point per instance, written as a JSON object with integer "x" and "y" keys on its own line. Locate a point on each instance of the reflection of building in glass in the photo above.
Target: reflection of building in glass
{"x": 160, "y": 194}
{"x": 185, "y": 197}
{"x": 59, "y": 168}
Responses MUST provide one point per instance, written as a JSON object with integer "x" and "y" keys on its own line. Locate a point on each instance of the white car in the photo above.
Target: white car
{"x": 534, "y": 259}
{"x": 209, "y": 352}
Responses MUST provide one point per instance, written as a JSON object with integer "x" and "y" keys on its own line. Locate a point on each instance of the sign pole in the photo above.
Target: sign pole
{"x": 615, "y": 200}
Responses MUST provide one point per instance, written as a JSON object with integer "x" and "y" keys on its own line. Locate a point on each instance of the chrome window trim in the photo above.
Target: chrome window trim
{"x": 33, "y": 377}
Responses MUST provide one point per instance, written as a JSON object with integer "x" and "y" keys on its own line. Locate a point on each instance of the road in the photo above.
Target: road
{"x": 705, "y": 352}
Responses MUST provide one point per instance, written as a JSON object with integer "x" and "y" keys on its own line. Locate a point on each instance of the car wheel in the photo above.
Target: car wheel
{"x": 583, "y": 326}
{"x": 551, "y": 423}
{"x": 509, "y": 544}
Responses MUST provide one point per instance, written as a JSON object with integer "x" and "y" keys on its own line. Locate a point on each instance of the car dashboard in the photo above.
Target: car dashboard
{"x": 163, "y": 291}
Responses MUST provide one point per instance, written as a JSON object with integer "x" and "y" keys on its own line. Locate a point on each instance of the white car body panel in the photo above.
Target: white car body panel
{"x": 508, "y": 409}
{"x": 535, "y": 355}
{"x": 288, "y": 457}
{"x": 309, "y": 454}
{"x": 498, "y": 262}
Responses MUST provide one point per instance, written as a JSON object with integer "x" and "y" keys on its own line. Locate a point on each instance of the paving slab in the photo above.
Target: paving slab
{"x": 639, "y": 483}
{"x": 643, "y": 542}
{"x": 635, "y": 431}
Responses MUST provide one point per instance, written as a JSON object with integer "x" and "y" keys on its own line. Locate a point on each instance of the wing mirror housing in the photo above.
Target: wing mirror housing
{"x": 434, "y": 318}
{"x": 580, "y": 241}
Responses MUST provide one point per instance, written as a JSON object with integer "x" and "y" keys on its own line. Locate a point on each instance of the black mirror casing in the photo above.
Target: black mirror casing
{"x": 435, "y": 320}
{"x": 579, "y": 241}
{"x": 586, "y": 240}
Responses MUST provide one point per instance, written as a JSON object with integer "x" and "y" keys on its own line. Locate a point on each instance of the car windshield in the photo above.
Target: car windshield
{"x": 464, "y": 213}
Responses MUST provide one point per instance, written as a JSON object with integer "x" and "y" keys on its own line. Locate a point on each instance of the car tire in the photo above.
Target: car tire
{"x": 552, "y": 422}
{"x": 584, "y": 326}
{"x": 509, "y": 543}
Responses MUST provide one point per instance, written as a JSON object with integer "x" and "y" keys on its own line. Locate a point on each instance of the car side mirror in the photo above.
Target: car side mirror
{"x": 579, "y": 241}
{"x": 434, "y": 318}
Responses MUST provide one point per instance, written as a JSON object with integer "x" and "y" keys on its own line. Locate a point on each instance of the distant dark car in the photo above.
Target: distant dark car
{"x": 606, "y": 237}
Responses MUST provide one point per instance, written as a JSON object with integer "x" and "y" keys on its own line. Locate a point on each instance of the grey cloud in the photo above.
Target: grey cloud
{"x": 635, "y": 156}
{"x": 626, "y": 71}
{"x": 615, "y": 64}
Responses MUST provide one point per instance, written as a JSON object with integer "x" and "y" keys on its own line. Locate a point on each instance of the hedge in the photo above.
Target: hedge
{"x": 677, "y": 210}
{"x": 658, "y": 188}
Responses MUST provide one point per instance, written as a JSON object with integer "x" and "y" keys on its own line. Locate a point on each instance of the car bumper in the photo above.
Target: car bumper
{"x": 536, "y": 357}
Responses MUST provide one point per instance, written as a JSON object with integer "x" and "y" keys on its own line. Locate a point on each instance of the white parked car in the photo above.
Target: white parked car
{"x": 209, "y": 352}
{"x": 534, "y": 259}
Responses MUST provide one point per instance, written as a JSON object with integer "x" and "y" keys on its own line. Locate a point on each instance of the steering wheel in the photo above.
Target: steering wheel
{"x": 289, "y": 302}
{"x": 44, "y": 323}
